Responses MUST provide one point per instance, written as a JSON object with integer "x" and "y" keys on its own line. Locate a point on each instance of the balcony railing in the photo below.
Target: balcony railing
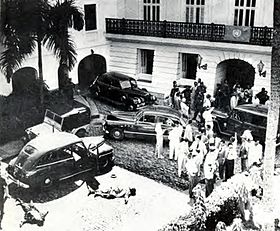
{"x": 194, "y": 31}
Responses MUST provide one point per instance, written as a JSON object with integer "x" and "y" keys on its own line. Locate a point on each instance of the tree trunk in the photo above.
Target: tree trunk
{"x": 272, "y": 124}
{"x": 40, "y": 67}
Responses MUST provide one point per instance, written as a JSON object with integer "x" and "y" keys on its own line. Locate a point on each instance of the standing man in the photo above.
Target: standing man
{"x": 193, "y": 170}
{"x": 231, "y": 155}
{"x": 243, "y": 153}
{"x": 171, "y": 138}
{"x": 209, "y": 169}
{"x": 159, "y": 140}
{"x": 255, "y": 153}
{"x": 182, "y": 155}
{"x": 188, "y": 135}
{"x": 221, "y": 159}
{"x": 3, "y": 195}
{"x": 173, "y": 92}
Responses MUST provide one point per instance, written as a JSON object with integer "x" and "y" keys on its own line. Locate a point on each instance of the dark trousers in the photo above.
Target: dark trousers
{"x": 244, "y": 164}
{"x": 221, "y": 170}
{"x": 209, "y": 186}
{"x": 229, "y": 168}
{"x": 193, "y": 181}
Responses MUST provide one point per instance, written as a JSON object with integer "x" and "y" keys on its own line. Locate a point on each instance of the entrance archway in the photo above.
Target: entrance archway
{"x": 235, "y": 71}
{"x": 24, "y": 80}
{"x": 89, "y": 67}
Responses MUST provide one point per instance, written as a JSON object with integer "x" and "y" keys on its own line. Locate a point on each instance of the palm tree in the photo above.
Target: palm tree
{"x": 272, "y": 123}
{"x": 39, "y": 23}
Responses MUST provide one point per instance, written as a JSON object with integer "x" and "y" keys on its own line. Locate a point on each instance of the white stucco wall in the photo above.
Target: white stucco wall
{"x": 84, "y": 40}
{"x": 216, "y": 11}
{"x": 166, "y": 60}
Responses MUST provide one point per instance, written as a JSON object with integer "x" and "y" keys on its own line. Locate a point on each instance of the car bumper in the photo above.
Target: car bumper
{"x": 17, "y": 182}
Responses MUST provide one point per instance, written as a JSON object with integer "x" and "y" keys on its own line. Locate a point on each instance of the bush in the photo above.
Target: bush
{"x": 224, "y": 204}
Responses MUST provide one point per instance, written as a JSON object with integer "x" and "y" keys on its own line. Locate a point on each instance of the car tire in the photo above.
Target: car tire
{"x": 81, "y": 133}
{"x": 117, "y": 133}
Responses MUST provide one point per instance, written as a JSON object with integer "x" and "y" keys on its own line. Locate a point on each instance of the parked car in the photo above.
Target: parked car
{"x": 121, "y": 90}
{"x": 244, "y": 117}
{"x": 51, "y": 158}
{"x": 74, "y": 118}
{"x": 142, "y": 123}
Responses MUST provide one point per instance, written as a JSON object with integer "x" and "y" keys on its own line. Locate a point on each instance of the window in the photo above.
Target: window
{"x": 244, "y": 12}
{"x": 90, "y": 17}
{"x": 151, "y": 10}
{"x": 195, "y": 11}
{"x": 188, "y": 65}
{"x": 146, "y": 61}
{"x": 149, "y": 118}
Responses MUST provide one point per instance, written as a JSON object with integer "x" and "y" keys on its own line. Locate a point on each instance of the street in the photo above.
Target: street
{"x": 153, "y": 207}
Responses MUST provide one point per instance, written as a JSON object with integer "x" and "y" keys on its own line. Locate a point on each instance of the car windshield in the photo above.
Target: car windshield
{"x": 125, "y": 84}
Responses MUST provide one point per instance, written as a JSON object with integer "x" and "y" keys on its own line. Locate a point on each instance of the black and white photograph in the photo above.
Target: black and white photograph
{"x": 139, "y": 115}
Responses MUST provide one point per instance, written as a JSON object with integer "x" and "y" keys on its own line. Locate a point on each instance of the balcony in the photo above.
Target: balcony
{"x": 261, "y": 36}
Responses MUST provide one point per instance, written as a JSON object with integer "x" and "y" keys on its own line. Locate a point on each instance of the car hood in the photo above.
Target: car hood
{"x": 122, "y": 115}
{"x": 136, "y": 92}
{"x": 220, "y": 114}
{"x": 42, "y": 128}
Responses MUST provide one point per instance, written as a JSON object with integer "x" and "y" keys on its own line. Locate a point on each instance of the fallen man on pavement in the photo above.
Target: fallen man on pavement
{"x": 113, "y": 193}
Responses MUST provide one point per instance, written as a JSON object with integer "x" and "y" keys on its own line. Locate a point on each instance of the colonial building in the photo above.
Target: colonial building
{"x": 159, "y": 41}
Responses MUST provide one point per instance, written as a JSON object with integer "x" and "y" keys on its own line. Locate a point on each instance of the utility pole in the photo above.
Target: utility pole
{"x": 272, "y": 124}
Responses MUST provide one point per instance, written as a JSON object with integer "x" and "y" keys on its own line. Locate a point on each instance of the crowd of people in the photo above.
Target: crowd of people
{"x": 201, "y": 154}
{"x": 193, "y": 101}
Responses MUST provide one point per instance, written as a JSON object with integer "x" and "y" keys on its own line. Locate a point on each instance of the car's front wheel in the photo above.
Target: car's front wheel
{"x": 117, "y": 133}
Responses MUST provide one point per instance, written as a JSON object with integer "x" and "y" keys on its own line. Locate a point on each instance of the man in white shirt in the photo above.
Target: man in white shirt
{"x": 255, "y": 153}
{"x": 182, "y": 156}
{"x": 208, "y": 118}
{"x": 199, "y": 150}
{"x": 231, "y": 156}
{"x": 192, "y": 168}
{"x": 184, "y": 108}
{"x": 188, "y": 135}
{"x": 174, "y": 140}
{"x": 159, "y": 140}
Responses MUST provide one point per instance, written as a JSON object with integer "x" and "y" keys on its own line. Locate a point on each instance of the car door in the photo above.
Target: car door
{"x": 116, "y": 91}
{"x": 55, "y": 165}
{"x": 104, "y": 83}
{"x": 234, "y": 123}
{"x": 145, "y": 125}
{"x": 256, "y": 124}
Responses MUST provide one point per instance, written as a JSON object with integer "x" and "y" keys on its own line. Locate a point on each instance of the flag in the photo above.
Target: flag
{"x": 237, "y": 33}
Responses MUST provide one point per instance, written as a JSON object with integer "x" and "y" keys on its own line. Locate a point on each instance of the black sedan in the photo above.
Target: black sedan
{"x": 141, "y": 124}
{"x": 121, "y": 90}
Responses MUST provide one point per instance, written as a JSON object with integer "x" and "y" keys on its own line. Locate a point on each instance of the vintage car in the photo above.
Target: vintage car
{"x": 74, "y": 118}
{"x": 141, "y": 124}
{"x": 251, "y": 117}
{"x": 121, "y": 90}
{"x": 51, "y": 158}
